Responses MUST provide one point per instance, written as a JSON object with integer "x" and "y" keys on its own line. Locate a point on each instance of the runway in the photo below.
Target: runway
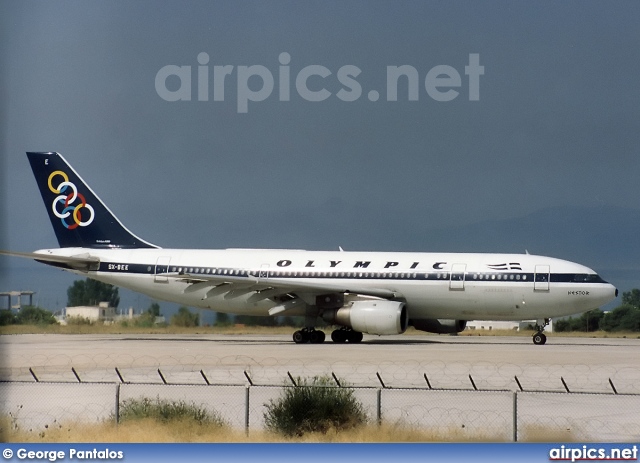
{"x": 585, "y": 364}
{"x": 422, "y": 381}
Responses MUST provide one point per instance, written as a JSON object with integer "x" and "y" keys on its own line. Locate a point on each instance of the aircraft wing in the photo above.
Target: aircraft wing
{"x": 79, "y": 262}
{"x": 234, "y": 285}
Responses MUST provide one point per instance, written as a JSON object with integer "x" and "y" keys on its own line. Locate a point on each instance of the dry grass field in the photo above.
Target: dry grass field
{"x": 120, "y": 329}
{"x": 148, "y": 430}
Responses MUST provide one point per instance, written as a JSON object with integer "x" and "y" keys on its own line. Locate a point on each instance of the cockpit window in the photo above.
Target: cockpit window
{"x": 576, "y": 278}
{"x": 587, "y": 278}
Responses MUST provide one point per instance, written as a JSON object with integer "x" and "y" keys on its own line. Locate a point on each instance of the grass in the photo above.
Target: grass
{"x": 188, "y": 431}
{"x": 323, "y": 414}
{"x": 311, "y": 413}
{"x": 539, "y": 433}
{"x": 563, "y": 334}
{"x": 150, "y": 430}
{"x": 120, "y": 329}
{"x": 263, "y": 330}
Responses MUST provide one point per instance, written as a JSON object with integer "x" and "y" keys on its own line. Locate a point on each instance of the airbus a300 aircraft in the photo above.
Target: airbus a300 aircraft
{"x": 378, "y": 293}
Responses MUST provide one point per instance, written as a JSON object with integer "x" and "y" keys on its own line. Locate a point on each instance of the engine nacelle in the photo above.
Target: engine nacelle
{"x": 438, "y": 325}
{"x": 372, "y": 317}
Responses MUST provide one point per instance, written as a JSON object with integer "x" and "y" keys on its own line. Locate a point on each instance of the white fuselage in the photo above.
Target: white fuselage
{"x": 433, "y": 285}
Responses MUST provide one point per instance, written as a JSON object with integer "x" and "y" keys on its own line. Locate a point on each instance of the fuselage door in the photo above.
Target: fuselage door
{"x": 541, "y": 278}
{"x": 162, "y": 268}
{"x": 457, "y": 277}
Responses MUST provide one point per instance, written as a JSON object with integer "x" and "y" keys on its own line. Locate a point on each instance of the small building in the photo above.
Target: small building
{"x": 101, "y": 313}
{"x": 15, "y": 298}
{"x": 504, "y": 325}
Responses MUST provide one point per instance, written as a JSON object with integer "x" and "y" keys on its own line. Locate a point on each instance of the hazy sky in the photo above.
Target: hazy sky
{"x": 554, "y": 120}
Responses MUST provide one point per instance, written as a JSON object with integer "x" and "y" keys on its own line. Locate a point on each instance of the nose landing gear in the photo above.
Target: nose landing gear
{"x": 539, "y": 337}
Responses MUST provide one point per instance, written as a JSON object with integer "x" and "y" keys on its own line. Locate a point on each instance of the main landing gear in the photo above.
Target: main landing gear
{"x": 313, "y": 336}
{"x": 344, "y": 334}
{"x": 308, "y": 335}
{"x": 539, "y": 338}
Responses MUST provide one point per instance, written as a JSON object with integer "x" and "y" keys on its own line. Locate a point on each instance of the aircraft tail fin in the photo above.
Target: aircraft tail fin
{"x": 79, "y": 218}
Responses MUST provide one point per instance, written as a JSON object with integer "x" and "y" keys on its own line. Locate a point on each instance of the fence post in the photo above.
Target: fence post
{"x": 515, "y": 416}
{"x": 379, "y": 406}
{"x": 117, "y": 413}
{"x": 246, "y": 409}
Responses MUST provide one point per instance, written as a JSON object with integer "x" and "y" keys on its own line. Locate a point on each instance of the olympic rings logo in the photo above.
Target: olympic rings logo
{"x": 67, "y": 200}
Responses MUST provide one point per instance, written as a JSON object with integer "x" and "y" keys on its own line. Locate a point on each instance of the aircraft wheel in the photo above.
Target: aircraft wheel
{"x": 299, "y": 337}
{"x": 539, "y": 339}
{"x": 316, "y": 337}
{"x": 355, "y": 337}
{"x": 339, "y": 336}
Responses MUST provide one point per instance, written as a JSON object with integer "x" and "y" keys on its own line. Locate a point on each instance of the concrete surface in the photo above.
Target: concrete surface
{"x": 403, "y": 363}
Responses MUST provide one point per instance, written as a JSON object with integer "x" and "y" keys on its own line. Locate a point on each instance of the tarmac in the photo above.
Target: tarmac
{"x": 494, "y": 362}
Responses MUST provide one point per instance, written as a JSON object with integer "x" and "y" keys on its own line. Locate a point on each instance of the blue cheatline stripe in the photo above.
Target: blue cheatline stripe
{"x": 470, "y": 277}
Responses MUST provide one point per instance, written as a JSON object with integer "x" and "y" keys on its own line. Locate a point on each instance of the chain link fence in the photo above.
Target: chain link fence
{"x": 472, "y": 414}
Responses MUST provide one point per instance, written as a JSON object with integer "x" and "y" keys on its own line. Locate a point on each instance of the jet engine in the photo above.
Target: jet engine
{"x": 438, "y": 325}
{"x": 377, "y": 316}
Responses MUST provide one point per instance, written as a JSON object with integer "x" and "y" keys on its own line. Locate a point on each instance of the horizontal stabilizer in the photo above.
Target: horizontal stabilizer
{"x": 79, "y": 262}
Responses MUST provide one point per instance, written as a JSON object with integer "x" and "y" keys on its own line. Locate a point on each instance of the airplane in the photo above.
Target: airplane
{"x": 378, "y": 293}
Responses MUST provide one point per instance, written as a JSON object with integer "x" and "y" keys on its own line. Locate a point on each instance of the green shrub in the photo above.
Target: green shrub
{"x": 7, "y": 318}
{"x": 314, "y": 406}
{"x": 623, "y": 318}
{"x": 223, "y": 320}
{"x": 30, "y": 315}
{"x": 164, "y": 411}
{"x": 76, "y": 320}
{"x": 184, "y": 317}
{"x": 145, "y": 320}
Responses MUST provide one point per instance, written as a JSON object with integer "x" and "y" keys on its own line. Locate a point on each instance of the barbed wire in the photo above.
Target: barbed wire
{"x": 463, "y": 414}
{"x": 241, "y": 369}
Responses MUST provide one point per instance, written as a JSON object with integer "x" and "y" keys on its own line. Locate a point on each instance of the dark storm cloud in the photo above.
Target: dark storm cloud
{"x": 555, "y": 125}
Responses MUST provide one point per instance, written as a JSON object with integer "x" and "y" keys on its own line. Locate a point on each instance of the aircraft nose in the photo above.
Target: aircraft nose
{"x": 609, "y": 293}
